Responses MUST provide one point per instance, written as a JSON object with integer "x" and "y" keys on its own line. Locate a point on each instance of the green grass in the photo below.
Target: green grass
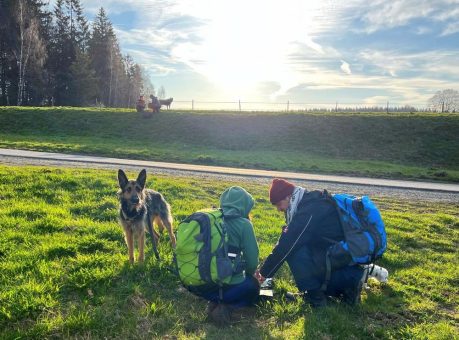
{"x": 414, "y": 146}
{"x": 64, "y": 271}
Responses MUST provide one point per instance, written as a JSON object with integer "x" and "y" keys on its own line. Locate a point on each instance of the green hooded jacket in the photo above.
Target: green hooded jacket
{"x": 236, "y": 204}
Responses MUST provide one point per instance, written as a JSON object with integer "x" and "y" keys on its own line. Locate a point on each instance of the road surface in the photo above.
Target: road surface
{"x": 354, "y": 185}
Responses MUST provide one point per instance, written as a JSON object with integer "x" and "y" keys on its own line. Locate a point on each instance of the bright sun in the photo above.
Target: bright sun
{"x": 248, "y": 42}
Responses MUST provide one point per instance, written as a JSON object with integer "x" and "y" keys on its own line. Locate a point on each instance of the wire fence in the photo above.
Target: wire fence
{"x": 296, "y": 106}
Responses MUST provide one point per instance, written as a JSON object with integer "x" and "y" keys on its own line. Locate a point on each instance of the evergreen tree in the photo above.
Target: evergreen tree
{"x": 52, "y": 57}
{"x": 70, "y": 38}
{"x": 79, "y": 25}
{"x": 6, "y": 43}
{"x": 83, "y": 79}
{"x": 102, "y": 55}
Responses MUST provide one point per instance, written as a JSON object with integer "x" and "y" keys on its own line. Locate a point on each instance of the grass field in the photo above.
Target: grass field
{"x": 64, "y": 271}
{"x": 415, "y": 146}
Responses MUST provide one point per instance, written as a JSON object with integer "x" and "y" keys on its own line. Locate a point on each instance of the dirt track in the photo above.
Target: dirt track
{"x": 355, "y": 189}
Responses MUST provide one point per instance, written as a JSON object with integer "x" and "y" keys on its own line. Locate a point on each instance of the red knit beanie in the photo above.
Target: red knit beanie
{"x": 280, "y": 188}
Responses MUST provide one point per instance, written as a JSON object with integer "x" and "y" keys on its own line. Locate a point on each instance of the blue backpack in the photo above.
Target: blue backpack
{"x": 364, "y": 233}
{"x": 363, "y": 227}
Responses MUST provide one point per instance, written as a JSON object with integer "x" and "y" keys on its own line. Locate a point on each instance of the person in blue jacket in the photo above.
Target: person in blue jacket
{"x": 312, "y": 226}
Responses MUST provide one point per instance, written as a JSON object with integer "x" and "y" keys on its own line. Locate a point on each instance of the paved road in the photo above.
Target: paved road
{"x": 355, "y": 185}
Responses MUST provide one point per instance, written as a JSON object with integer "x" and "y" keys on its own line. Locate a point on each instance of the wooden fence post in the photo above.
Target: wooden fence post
{"x": 288, "y": 104}
{"x": 239, "y": 105}
{"x": 192, "y": 104}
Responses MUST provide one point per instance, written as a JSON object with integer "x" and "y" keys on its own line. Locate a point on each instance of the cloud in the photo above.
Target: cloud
{"x": 451, "y": 29}
{"x": 381, "y": 14}
{"x": 375, "y": 100}
{"x": 277, "y": 48}
{"x": 345, "y": 67}
{"x": 421, "y": 30}
{"x": 268, "y": 87}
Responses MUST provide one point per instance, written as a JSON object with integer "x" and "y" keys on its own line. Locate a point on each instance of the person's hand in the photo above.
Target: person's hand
{"x": 259, "y": 277}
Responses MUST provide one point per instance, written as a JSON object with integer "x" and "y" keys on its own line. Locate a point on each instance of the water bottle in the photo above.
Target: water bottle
{"x": 379, "y": 273}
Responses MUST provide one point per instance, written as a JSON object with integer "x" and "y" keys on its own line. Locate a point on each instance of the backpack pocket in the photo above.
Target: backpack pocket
{"x": 339, "y": 256}
{"x": 224, "y": 268}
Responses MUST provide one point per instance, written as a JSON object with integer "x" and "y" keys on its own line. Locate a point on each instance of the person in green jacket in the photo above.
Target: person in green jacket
{"x": 243, "y": 289}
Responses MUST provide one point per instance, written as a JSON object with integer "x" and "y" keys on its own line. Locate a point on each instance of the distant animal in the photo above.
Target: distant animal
{"x": 166, "y": 102}
{"x": 139, "y": 209}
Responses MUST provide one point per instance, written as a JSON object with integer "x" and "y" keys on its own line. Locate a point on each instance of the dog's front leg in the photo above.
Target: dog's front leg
{"x": 130, "y": 244}
{"x": 141, "y": 243}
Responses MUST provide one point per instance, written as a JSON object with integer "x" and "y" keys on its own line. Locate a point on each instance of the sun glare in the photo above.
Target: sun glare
{"x": 249, "y": 42}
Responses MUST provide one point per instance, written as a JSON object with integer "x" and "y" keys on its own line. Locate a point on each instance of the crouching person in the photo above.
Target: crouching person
{"x": 313, "y": 243}
{"x": 217, "y": 255}
{"x": 140, "y": 105}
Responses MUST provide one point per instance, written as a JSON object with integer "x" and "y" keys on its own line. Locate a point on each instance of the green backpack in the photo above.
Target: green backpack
{"x": 201, "y": 253}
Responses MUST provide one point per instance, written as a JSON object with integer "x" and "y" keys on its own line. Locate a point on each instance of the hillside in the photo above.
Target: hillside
{"x": 416, "y": 146}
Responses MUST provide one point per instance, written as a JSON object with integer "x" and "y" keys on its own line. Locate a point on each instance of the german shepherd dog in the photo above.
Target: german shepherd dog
{"x": 139, "y": 208}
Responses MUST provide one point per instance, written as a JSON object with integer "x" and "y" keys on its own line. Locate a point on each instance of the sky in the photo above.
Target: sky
{"x": 314, "y": 51}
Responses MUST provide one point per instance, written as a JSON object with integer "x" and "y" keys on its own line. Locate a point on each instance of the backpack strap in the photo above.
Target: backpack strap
{"x": 329, "y": 198}
{"x": 205, "y": 253}
{"x": 233, "y": 252}
{"x": 327, "y": 271}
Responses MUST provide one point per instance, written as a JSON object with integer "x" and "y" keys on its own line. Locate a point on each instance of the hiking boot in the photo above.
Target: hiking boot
{"x": 316, "y": 298}
{"x": 292, "y": 297}
{"x": 221, "y": 315}
{"x": 351, "y": 295}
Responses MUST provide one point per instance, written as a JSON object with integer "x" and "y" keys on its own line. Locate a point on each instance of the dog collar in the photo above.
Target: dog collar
{"x": 137, "y": 215}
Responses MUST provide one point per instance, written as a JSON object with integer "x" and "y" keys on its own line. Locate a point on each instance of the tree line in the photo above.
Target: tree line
{"x": 445, "y": 101}
{"x": 53, "y": 57}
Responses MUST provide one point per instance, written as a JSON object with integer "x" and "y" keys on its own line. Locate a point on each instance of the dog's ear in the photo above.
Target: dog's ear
{"x": 122, "y": 179}
{"x": 142, "y": 178}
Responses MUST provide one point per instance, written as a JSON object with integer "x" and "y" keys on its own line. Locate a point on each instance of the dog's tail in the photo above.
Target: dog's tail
{"x": 153, "y": 240}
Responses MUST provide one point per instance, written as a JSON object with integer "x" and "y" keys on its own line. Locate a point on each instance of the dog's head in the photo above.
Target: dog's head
{"x": 132, "y": 192}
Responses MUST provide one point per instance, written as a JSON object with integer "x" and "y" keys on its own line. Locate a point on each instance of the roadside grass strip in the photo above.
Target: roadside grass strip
{"x": 403, "y": 145}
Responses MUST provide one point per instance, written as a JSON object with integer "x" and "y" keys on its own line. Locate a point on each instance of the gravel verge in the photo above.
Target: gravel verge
{"x": 355, "y": 189}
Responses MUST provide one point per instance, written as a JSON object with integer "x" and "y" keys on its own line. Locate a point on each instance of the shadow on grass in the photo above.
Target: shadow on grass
{"x": 140, "y": 301}
{"x": 380, "y": 315}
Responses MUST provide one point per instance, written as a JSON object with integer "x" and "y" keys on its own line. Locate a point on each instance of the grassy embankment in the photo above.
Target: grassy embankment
{"x": 413, "y": 146}
{"x": 64, "y": 270}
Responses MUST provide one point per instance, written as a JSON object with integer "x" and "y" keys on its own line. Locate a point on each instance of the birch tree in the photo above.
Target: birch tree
{"x": 30, "y": 45}
{"x": 162, "y": 93}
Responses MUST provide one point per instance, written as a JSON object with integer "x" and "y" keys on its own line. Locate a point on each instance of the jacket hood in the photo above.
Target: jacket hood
{"x": 236, "y": 202}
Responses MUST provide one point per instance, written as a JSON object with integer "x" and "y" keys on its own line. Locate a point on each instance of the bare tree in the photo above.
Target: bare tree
{"x": 148, "y": 87}
{"x": 30, "y": 45}
{"x": 445, "y": 101}
{"x": 162, "y": 93}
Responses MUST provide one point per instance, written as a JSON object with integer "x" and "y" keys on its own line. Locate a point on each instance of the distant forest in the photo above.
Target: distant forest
{"x": 53, "y": 57}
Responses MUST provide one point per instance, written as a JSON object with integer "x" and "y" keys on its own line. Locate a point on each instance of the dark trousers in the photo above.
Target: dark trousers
{"x": 308, "y": 270}
{"x": 239, "y": 295}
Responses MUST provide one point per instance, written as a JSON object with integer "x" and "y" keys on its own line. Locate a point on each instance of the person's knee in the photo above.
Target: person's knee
{"x": 304, "y": 270}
